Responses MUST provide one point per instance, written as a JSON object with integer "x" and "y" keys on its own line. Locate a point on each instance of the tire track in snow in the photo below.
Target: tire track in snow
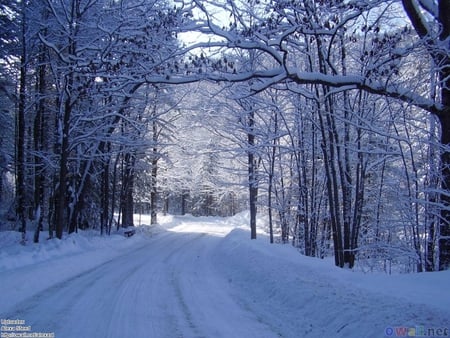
{"x": 63, "y": 306}
{"x": 175, "y": 284}
{"x": 207, "y": 295}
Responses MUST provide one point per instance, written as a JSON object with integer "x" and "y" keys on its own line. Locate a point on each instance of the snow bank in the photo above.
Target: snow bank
{"x": 14, "y": 255}
{"x": 26, "y": 270}
{"x": 304, "y": 296}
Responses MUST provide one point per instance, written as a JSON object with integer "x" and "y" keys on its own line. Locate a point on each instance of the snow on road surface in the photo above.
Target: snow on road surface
{"x": 203, "y": 277}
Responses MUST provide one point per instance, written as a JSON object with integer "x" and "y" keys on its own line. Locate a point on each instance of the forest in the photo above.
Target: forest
{"x": 329, "y": 117}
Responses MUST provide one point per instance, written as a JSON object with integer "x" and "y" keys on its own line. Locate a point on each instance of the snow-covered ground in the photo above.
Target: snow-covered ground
{"x": 204, "y": 277}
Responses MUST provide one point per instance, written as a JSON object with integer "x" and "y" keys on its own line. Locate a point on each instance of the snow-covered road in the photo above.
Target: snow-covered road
{"x": 166, "y": 288}
{"x": 202, "y": 279}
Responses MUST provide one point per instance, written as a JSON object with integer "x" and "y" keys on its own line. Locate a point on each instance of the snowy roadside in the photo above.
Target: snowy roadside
{"x": 26, "y": 270}
{"x": 311, "y": 297}
{"x": 13, "y": 255}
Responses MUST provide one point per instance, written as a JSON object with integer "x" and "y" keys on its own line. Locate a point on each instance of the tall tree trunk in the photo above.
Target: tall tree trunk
{"x": 68, "y": 100}
{"x": 444, "y": 229}
{"x": 345, "y": 168}
{"x": 104, "y": 198}
{"x": 184, "y": 196}
{"x": 332, "y": 187}
{"x": 154, "y": 173}
{"x": 153, "y": 193}
{"x": 104, "y": 150}
{"x": 80, "y": 185}
{"x": 20, "y": 171}
{"x": 39, "y": 178}
{"x": 431, "y": 209}
{"x": 127, "y": 195}
{"x": 61, "y": 194}
{"x": 330, "y": 145}
{"x": 303, "y": 219}
{"x": 104, "y": 214}
{"x": 252, "y": 173}
{"x": 20, "y": 130}
{"x": 439, "y": 52}
{"x": 113, "y": 193}
{"x": 444, "y": 118}
{"x": 272, "y": 156}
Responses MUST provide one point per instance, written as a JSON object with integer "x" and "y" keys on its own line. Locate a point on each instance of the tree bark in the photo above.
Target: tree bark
{"x": 39, "y": 177}
{"x": 20, "y": 145}
{"x": 444, "y": 228}
{"x": 271, "y": 174}
{"x": 61, "y": 196}
{"x": 444, "y": 77}
{"x": 154, "y": 174}
{"x": 442, "y": 63}
{"x": 252, "y": 168}
{"x": 127, "y": 196}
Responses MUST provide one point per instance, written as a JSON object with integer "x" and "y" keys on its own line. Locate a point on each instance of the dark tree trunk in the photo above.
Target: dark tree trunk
{"x": 252, "y": 175}
{"x": 20, "y": 130}
{"x": 444, "y": 236}
{"x": 184, "y": 196}
{"x": 153, "y": 194}
{"x": 166, "y": 204}
{"x": 303, "y": 215}
{"x": 113, "y": 193}
{"x": 61, "y": 212}
{"x": 332, "y": 193}
{"x": 444, "y": 76}
{"x": 271, "y": 174}
{"x": 20, "y": 171}
{"x": 127, "y": 195}
{"x": 438, "y": 50}
{"x": 154, "y": 174}
{"x": 39, "y": 178}
{"x": 80, "y": 185}
{"x": 104, "y": 150}
{"x": 104, "y": 213}
{"x": 61, "y": 195}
